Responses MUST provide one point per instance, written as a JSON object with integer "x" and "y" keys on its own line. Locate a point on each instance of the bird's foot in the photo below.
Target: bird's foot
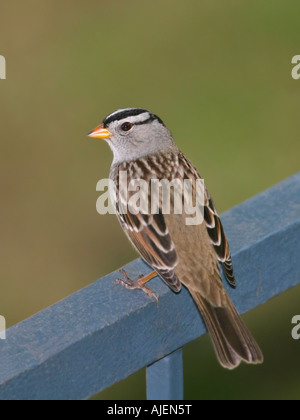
{"x": 138, "y": 284}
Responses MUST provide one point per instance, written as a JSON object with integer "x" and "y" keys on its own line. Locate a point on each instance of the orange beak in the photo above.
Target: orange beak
{"x": 100, "y": 133}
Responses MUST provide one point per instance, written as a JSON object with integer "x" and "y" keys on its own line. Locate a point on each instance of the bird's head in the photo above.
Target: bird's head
{"x": 133, "y": 133}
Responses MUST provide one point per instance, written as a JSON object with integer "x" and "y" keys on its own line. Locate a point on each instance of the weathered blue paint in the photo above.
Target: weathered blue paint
{"x": 105, "y": 332}
{"x": 165, "y": 378}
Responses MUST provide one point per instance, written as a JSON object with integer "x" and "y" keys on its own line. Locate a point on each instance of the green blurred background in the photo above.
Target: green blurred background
{"x": 217, "y": 72}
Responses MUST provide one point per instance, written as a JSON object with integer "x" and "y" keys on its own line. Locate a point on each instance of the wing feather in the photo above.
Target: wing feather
{"x": 147, "y": 232}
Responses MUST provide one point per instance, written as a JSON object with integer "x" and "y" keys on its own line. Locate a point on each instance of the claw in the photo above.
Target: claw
{"x": 139, "y": 284}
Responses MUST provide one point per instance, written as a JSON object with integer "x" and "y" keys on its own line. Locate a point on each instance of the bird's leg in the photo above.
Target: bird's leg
{"x": 138, "y": 284}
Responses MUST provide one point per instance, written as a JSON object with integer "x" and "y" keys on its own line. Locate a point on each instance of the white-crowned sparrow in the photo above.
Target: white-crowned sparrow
{"x": 143, "y": 147}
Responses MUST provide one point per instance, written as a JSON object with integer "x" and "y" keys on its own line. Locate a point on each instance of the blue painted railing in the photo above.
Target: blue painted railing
{"x": 104, "y": 333}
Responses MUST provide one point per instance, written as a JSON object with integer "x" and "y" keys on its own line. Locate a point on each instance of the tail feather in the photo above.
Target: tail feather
{"x": 231, "y": 338}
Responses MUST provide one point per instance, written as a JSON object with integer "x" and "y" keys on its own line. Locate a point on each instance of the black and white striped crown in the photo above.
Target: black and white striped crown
{"x": 133, "y": 115}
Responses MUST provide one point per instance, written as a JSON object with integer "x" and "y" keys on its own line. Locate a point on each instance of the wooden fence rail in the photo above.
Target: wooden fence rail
{"x": 104, "y": 333}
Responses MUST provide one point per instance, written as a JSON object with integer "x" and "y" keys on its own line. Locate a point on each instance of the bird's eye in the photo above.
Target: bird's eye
{"x": 126, "y": 126}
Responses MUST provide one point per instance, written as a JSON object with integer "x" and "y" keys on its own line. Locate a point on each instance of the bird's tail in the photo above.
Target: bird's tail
{"x": 231, "y": 338}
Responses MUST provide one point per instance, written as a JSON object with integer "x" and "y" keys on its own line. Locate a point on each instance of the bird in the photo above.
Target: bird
{"x": 180, "y": 254}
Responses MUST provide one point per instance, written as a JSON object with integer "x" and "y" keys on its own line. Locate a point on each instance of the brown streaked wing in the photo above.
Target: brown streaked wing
{"x": 217, "y": 235}
{"x": 156, "y": 249}
{"x": 148, "y": 233}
